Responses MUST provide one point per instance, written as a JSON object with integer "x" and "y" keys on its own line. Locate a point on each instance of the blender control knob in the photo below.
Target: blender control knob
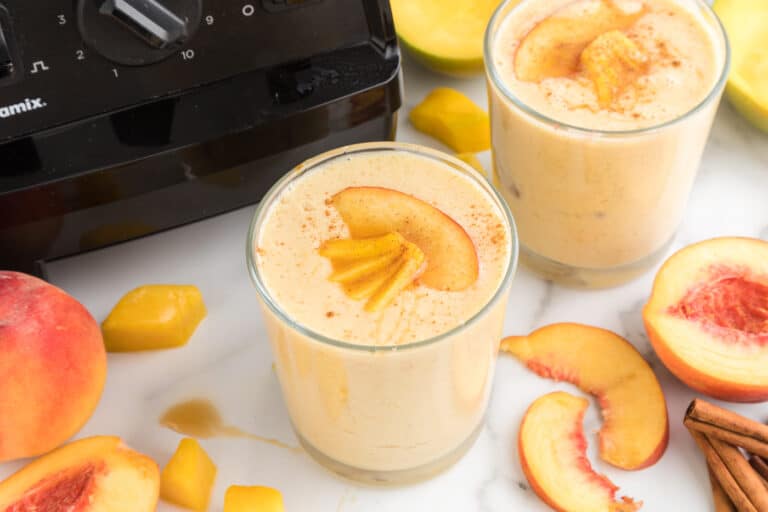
{"x": 138, "y": 32}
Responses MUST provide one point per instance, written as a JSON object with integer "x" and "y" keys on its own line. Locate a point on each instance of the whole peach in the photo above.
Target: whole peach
{"x": 52, "y": 366}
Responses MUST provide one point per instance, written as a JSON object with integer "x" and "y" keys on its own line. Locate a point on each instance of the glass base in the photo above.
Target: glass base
{"x": 392, "y": 478}
{"x": 577, "y": 277}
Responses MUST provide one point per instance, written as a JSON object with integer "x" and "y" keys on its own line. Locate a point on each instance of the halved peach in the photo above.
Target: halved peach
{"x": 450, "y": 253}
{"x": 552, "y": 452}
{"x": 635, "y": 427}
{"x": 707, "y": 317}
{"x": 96, "y": 474}
{"x": 553, "y": 47}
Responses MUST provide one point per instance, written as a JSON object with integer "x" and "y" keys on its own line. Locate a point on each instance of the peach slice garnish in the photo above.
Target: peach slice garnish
{"x": 552, "y": 452}
{"x": 612, "y": 61}
{"x": 377, "y": 268}
{"x": 635, "y": 427}
{"x": 707, "y": 317}
{"x": 554, "y": 46}
{"x": 92, "y": 474}
{"x": 451, "y": 259}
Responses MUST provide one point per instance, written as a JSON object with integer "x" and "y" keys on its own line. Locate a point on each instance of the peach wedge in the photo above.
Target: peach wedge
{"x": 552, "y": 452}
{"x": 707, "y": 317}
{"x": 96, "y": 474}
{"x": 450, "y": 253}
{"x": 635, "y": 427}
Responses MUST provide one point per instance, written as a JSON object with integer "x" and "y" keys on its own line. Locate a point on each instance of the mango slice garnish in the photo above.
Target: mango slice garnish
{"x": 356, "y": 249}
{"x": 611, "y": 62}
{"x": 376, "y": 268}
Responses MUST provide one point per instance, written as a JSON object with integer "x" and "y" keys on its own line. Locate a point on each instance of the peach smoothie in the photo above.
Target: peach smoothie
{"x": 392, "y": 386}
{"x": 600, "y": 110}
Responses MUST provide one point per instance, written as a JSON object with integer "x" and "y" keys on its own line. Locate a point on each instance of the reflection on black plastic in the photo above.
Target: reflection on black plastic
{"x": 18, "y": 158}
{"x": 145, "y": 126}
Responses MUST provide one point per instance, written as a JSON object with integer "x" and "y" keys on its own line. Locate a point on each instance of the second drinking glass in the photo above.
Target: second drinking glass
{"x": 599, "y": 118}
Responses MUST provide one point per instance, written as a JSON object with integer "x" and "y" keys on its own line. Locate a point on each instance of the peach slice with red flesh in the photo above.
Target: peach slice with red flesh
{"x": 451, "y": 259}
{"x": 552, "y": 452}
{"x": 635, "y": 427}
{"x": 97, "y": 474}
{"x": 707, "y": 317}
{"x": 554, "y": 46}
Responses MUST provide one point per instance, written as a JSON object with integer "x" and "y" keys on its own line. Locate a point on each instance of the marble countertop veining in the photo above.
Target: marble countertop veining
{"x": 229, "y": 361}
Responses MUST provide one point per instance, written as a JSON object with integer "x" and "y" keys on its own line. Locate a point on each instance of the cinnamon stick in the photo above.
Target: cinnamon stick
{"x": 722, "y": 502}
{"x": 749, "y": 481}
{"x": 732, "y": 488}
{"x": 760, "y": 466}
{"x": 727, "y": 426}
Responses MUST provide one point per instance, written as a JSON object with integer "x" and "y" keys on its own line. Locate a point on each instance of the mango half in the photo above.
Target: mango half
{"x": 746, "y": 22}
{"x": 444, "y": 35}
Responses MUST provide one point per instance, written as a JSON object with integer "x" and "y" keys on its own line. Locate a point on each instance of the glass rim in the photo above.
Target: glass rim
{"x": 276, "y": 189}
{"x": 492, "y": 73}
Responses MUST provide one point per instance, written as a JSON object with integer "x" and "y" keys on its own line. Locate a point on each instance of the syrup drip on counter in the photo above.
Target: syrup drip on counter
{"x": 200, "y": 418}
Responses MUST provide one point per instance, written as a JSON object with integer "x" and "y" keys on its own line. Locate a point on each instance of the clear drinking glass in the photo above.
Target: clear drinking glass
{"x": 385, "y": 414}
{"x": 595, "y": 208}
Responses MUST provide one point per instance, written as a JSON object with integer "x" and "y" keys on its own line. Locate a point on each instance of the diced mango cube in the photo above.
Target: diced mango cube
{"x": 187, "y": 479}
{"x": 253, "y": 499}
{"x": 471, "y": 159}
{"x": 152, "y": 317}
{"x": 454, "y": 119}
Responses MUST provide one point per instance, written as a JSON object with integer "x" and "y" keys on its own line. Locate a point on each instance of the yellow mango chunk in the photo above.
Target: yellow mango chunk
{"x": 152, "y": 317}
{"x": 188, "y": 478}
{"x": 454, "y": 120}
{"x": 471, "y": 159}
{"x": 377, "y": 268}
{"x": 253, "y": 499}
{"x": 612, "y": 61}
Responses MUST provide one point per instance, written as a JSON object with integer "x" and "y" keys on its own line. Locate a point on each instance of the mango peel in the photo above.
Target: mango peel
{"x": 454, "y": 120}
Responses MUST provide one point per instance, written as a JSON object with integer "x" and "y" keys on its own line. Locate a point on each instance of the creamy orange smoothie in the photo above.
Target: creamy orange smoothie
{"x": 600, "y": 111}
{"x": 396, "y": 394}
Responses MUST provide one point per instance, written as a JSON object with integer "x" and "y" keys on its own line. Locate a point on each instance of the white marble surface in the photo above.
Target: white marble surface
{"x": 228, "y": 359}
